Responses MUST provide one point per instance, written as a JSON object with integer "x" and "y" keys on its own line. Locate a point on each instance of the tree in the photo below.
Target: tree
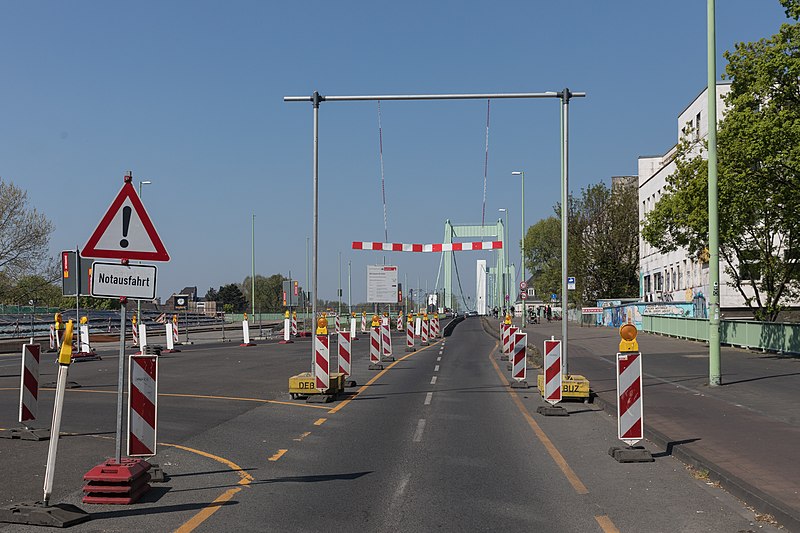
{"x": 758, "y": 177}
{"x": 232, "y": 298}
{"x": 24, "y": 233}
{"x": 269, "y": 292}
{"x": 211, "y": 295}
{"x": 542, "y": 249}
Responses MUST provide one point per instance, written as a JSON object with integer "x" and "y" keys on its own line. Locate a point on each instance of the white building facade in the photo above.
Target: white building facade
{"x": 678, "y": 276}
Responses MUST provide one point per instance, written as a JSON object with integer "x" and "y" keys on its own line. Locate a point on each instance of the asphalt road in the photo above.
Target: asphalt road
{"x": 437, "y": 441}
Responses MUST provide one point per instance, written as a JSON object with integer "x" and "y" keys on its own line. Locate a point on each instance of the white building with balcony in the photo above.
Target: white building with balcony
{"x": 677, "y": 276}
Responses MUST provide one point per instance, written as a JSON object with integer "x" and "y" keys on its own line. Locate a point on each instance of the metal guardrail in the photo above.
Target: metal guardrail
{"x": 778, "y": 337}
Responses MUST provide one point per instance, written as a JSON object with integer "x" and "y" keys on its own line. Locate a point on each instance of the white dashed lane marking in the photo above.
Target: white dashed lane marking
{"x": 428, "y": 398}
{"x": 420, "y": 429}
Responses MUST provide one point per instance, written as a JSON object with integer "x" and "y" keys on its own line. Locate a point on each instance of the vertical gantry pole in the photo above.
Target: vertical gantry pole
{"x": 565, "y": 96}
{"x": 121, "y": 382}
{"x": 448, "y": 266}
{"x": 253, "y": 267}
{"x": 714, "y": 372}
{"x": 315, "y": 100}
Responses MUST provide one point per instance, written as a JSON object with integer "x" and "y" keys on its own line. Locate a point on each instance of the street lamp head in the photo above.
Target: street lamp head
{"x": 516, "y": 173}
{"x": 502, "y": 209}
{"x": 146, "y": 182}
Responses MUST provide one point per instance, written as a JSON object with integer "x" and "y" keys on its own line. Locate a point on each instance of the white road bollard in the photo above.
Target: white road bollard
{"x": 386, "y": 343}
{"x": 142, "y": 337}
{"x": 169, "y": 333}
{"x": 246, "y": 332}
{"x": 321, "y": 363}
{"x": 85, "y": 346}
{"x": 344, "y": 352}
{"x": 353, "y": 336}
{"x": 424, "y": 335}
{"x": 142, "y": 405}
{"x": 520, "y": 365}
{"x": 363, "y": 322}
{"x": 287, "y": 330}
{"x": 52, "y": 338}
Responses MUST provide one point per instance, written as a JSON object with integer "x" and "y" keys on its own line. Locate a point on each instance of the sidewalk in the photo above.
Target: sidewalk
{"x": 745, "y": 433}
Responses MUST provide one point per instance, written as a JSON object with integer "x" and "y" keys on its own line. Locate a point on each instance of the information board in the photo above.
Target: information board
{"x": 381, "y": 284}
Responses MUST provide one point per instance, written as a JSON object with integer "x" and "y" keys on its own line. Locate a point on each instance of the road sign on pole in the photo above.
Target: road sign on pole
{"x": 113, "y": 280}
{"x": 126, "y": 232}
{"x": 570, "y": 283}
{"x": 523, "y": 285}
{"x": 523, "y": 295}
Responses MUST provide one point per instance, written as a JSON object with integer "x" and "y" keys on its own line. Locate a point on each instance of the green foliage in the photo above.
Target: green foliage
{"x": 231, "y": 298}
{"x": 758, "y": 176}
{"x": 24, "y": 234}
{"x": 269, "y": 293}
{"x": 542, "y": 248}
{"x": 792, "y": 8}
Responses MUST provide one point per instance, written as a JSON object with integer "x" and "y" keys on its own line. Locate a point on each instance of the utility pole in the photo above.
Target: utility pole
{"x": 714, "y": 371}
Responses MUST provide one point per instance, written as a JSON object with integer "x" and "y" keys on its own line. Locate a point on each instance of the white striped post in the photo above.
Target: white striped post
{"x": 52, "y": 338}
{"x": 142, "y": 405}
{"x": 85, "y": 346}
{"x": 321, "y": 363}
{"x": 29, "y": 383}
{"x": 552, "y": 371}
{"x": 337, "y": 324}
{"x": 170, "y": 340}
{"x": 353, "y": 335}
{"x": 363, "y": 323}
{"x": 400, "y": 322}
{"x": 630, "y": 414}
{"x": 344, "y": 352}
{"x": 424, "y": 334}
{"x": 410, "y": 334}
{"x": 142, "y": 336}
{"x": 294, "y": 324}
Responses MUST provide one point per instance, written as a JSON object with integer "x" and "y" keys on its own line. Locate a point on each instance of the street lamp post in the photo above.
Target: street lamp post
{"x": 138, "y": 302}
{"x": 521, "y": 173}
{"x": 506, "y": 297}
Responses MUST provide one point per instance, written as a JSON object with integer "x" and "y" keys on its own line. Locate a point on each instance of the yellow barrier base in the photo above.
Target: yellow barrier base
{"x": 573, "y": 387}
{"x": 304, "y": 385}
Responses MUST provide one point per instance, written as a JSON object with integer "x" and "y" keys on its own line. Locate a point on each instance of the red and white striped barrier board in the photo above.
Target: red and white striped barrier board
{"x": 400, "y": 323}
{"x": 52, "y": 337}
{"x": 375, "y": 345}
{"x": 363, "y": 323}
{"x": 142, "y": 405}
{"x": 423, "y": 336}
{"x": 175, "y": 332}
{"x": 410, "y": 336}
{"x": 344, "y": 352}
{"x": 441, "y": 247}
{"x": 294, "y": 326}
{"x": 322, "y": 361}
{"x": 29, "y": 382}
{"x": 337, "y": 324}
{"x": 435, "y": 327}
{"x": 503, "y": 337}
{"x": 552, "y": 371}
{"x": 520, "y": 368}
{"x": 135, "y": 335}
{"x": 386, "y": 341}
{"x": 508, "y": 345}
{"x": 630, "y": 417}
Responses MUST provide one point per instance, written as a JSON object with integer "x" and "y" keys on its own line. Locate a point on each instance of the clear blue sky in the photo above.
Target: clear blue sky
{"x": 189, "y": 95}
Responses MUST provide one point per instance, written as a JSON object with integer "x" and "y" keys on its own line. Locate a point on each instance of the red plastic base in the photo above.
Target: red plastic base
{"x": 109, "y": 471}
{"x": 247, "y": 344}
{"x": 170, "y": 351}
{"x": 120, "y": 483}
{"x": 286, "y": 342}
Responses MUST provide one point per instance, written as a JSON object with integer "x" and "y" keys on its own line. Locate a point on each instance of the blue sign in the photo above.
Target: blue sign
{"x": 554, "y": 297}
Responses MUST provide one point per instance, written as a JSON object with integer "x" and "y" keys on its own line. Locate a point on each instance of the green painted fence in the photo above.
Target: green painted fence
{"x": 778, "y": 337}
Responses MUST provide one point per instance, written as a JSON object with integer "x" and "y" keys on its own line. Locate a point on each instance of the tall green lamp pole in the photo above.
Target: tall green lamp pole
{"x": 138, "y": 302}
{"x": 714, "y": 373}
{"x": 521, "y": 173}
{"x": 253, "y": 267}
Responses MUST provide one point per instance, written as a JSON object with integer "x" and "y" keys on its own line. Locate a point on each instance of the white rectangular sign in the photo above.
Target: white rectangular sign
{"x": 570, "y": 283}
{"x": 114, "y": 280}
{"x": 382, "y": 284}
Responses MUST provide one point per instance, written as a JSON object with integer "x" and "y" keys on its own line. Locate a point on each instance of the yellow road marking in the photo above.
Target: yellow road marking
{"x": 320, "y": 421}
{"x": 278, "y": 455}
{"x": 201, "y": 396}
{"x": 570, "y": 474}
{"x": 302, "y": 436}
{"x": 213, "y": 507}
{"x": 376, "y": 377}
{"x": 606, "y": 524}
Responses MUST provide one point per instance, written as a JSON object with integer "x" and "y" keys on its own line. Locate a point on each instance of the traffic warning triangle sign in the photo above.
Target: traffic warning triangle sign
{"x": 126, "y": 232}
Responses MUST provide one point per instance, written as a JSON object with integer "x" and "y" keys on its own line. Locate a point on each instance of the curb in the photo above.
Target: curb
{"x": 738, "y": 487}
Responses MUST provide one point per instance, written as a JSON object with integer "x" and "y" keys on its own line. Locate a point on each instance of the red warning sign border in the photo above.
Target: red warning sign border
{"x": 91, "y": 250}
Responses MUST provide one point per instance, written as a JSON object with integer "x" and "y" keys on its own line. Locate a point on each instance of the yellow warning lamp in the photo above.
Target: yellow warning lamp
{"x": 353, "y": 314}
{"x": 425, "y": 316}
{"x": 410, "y": 318}
{"x": 133, "y": 319}
{"x": 436, "y": 316}
{"x": 508, "y": 319}
{"x": 322, "y": 325}
{"x": 174, "y": 319}
{"x": 628, "y": 343}
{"x": 294, "y": 314}
{"x": 375, "y": 321}
{"x": 245, "y": 317}
{"x": 286, "y": 315}
{"x": 84, "y": 320}
{"x": 58, "y": 320}
{"x": 65, "y": 356}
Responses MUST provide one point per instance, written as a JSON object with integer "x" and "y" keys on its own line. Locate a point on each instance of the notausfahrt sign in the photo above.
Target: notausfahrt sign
{"x": 113, "y": 280}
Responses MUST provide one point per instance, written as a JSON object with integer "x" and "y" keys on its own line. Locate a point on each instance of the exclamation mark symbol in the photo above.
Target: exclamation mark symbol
{"x": 126, "y": 222}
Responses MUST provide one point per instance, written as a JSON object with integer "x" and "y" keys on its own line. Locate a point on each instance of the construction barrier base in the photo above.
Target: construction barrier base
{"x": 39, "y": 514}
{"x": 573, "y": 387}
{"x": 284, "y": 342}
{"x": 387, "y": 359}
{"x": 175, "y": 350}
{"x": 375, "y": 366}
{"x": 26, "y": 434}
{"x": 519, "y": 384}
{"x": 552, "y": 410}
{"x": 305, "y": 385}
{"x": 247, "y": 344}
{"x": 157, "y": 474}
{"x": 350, "y": 383}
{"x": 631, "y": 454}
{"x": 112, "y": 483}
{"x": 320, "y": 398}
{"x": 85, "y": 356}
{"x": 504, "y": 357}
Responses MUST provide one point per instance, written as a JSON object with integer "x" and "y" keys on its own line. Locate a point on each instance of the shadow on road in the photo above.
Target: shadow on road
{"x": 671, "y": 445}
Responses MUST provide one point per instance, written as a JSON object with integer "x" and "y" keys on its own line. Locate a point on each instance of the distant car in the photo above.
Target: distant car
{"x": 472, "y": 313}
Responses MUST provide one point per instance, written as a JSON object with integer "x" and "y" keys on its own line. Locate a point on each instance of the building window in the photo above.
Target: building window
{"x": 749, "y": 265}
